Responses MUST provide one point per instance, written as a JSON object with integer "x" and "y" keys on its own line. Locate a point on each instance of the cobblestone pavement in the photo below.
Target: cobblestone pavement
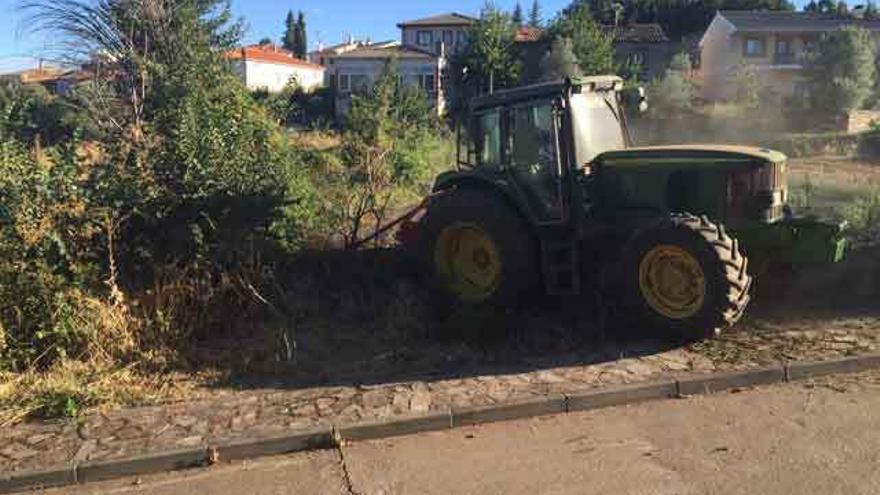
{"x": 274, "y": 408}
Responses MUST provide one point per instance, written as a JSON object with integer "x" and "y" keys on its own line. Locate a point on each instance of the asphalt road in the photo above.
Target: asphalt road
{"x": 821, "y": 438}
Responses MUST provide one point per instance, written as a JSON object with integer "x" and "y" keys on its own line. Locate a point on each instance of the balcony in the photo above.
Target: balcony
{"x": 787, "y": 59}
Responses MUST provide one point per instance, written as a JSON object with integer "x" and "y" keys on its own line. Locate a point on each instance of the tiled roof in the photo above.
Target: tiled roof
{"x": 270, "y": 53}
{"x": 528, "y": 34}
{"x": 451, "y": 19}
{"x": 386, "y": 51}
{"x": 637, "y": 33}
{"x": 748, "y": 20}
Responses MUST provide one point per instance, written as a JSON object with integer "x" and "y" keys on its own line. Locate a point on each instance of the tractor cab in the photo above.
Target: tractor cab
{"x": 531, "y": 140}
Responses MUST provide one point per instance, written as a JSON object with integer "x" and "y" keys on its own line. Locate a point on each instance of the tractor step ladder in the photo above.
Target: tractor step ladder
{"x": 561, "y": 263}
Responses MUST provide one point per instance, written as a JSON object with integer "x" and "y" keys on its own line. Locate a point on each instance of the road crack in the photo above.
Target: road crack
{"x": 343, "y": 464}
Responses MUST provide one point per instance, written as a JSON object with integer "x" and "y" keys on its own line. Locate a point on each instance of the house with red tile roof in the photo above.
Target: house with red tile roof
{"x": 271, "y": 68}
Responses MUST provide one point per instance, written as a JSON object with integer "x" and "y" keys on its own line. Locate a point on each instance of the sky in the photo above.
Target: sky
{"x": 327, "y": 21}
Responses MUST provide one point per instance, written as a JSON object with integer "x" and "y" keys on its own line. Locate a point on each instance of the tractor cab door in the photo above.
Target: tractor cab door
{"x": 532, "y": 157}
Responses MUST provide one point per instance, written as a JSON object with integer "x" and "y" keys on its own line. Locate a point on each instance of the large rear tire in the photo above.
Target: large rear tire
{"x": 478, "y": 248}
{"x": 684, "y": 275}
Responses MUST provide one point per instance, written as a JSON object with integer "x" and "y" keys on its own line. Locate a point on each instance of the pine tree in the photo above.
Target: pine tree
{"x": 518, "y": 14}
{"x": 301, "y": 47}
{"x": 535, "y": 14}
{"x": 288, "y": 41}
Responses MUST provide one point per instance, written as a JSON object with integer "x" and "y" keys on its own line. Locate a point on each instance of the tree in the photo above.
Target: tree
{"x": 301, "y": 47}
{"x": 681, "y": 62}
{"x": 842, "y": 74}
{"x": 592, "y": 47}
{"x": 827, "y": 6}
{"x": 560, "y": 61}
{"x": 193, "y": 161}
{"x": 535, "y": 19}
{"x": 517, "y": 15}
{"x": 490, "y": 60}
{"x": 747, "y": 86}
{"x": 673, "y": 94}
{"x": 384, "y": 144}
{"x": 289, "y": 39}
{"x": 265, "y": 41}
{"x": 871, "y": 13}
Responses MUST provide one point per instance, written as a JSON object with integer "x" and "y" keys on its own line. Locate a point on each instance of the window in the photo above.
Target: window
{"x": 348, "y": 83}
{"x": 783, "y": 54}
{"x": 462, "y": 38}
{"x": 811, "y": 45}
{"x": 448, "y": 37}
{"x": 344, "y": 83}
{"x": 783, "y": 47}
{"x": 533, "y": 156}
{"x": 754, "y": 47}
{"x": 426, "y": 82}
{"x": 638, "y": 59}
{"x": 490, "y": 139}
{"x": 596, "y": 125}
{"x": 424, "y": 38}
{"x": 359, "y": 82}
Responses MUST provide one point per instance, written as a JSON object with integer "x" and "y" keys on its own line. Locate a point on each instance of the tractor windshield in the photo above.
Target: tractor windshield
{"x": 596, "y": 125}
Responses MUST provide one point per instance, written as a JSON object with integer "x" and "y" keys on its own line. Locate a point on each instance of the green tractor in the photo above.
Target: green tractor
{"x": 548, "y": 193}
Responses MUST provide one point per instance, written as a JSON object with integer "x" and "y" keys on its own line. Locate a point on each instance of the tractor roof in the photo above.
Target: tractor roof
{"x": 550, "y": 88}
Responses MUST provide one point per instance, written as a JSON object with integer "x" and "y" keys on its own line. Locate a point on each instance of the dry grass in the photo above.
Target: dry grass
{"x": 317, "y": 140}
{"x": 73, "y": 386}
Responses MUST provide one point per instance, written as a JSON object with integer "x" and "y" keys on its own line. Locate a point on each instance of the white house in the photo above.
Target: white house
{"x": 271, "y": 68}
{"x": 359, "y": 68}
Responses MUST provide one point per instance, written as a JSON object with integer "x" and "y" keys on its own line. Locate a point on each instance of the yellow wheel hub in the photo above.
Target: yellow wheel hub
{"x": 672, "y": 282}
{"x": 468, "y": 262}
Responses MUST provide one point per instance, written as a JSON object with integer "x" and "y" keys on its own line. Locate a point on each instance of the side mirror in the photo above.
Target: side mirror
{"x": 643, "y": 99}
{"x": 635, "y": 98}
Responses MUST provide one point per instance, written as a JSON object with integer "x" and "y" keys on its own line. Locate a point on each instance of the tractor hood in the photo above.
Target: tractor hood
{"x": 702, "y": 152}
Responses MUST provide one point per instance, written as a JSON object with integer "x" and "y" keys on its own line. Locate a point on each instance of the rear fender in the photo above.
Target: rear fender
{"x": 499, "y": 188}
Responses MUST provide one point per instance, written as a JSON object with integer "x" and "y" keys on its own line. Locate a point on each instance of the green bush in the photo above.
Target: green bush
{"x": 31, "y": 114}
{"x": 863, "y": 214}
{"x": 169, "y": 230}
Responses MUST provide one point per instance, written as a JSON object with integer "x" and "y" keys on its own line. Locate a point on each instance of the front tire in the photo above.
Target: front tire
{"x": 686, "y": 276}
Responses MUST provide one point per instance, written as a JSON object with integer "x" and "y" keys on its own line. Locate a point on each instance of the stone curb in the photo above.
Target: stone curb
{"x": 142, "y": 464}
{"x": 718, "y": 382}
{"x": 552, "y": 404}
{"x": 804, "y": 371}
{"x": 37, "y": 480}
{"x": 313, "y": 439}
{"x": 328, "y": 437}
{"x": 393, "y": 427}
{"x": 622, "y": 395}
